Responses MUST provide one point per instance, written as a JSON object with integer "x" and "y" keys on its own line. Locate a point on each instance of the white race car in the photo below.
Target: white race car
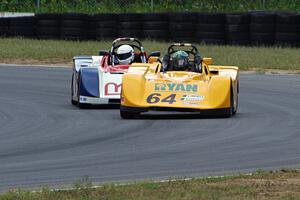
{"x": 98, "y": 79}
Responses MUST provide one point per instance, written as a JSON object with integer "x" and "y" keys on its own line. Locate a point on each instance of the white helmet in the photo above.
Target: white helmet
{"x": 125, "y": 54}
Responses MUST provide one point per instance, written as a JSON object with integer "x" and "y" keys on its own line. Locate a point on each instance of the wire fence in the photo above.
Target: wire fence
{"x": 172, "y": 3}
{"x": 140, "y": 6}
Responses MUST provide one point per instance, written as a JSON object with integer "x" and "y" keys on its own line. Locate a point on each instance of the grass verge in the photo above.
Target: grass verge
{"x": 28, "y": 51}
{"x": 284, "y": 184}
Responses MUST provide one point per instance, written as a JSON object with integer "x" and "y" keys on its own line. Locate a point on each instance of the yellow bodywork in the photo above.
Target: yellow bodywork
{"x": 145, "y": 86}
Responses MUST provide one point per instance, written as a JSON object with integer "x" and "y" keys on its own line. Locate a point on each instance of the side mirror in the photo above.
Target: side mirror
{"x": 103, "y": 53}
{"x": 155, "y": 54}
{"x": 207, "y": 61}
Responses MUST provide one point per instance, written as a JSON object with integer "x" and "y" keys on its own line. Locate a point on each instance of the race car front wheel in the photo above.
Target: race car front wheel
{"x": 73, "y": 102}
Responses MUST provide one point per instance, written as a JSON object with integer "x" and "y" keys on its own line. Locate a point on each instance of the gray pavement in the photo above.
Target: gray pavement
{"x": 44, "y": 140}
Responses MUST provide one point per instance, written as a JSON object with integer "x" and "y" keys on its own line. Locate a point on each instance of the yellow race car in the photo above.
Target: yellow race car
{"x": 183, "y": 81}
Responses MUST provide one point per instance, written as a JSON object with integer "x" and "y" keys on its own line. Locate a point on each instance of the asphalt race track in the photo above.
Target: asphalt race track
{"x": 44, "y": 140}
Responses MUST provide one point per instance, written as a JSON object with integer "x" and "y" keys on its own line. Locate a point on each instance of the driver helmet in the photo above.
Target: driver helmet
{"x": 125, "y": 54}
{"x": 180, "y": 60}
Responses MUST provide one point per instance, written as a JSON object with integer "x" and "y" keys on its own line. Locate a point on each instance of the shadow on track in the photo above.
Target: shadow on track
{"x": 98, "y": 107}
{"x": 178, "y": 116}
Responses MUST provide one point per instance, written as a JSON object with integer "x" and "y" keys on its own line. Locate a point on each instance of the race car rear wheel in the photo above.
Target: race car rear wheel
{"x": 230, "y": 112}
{"x": 128, "y": 115}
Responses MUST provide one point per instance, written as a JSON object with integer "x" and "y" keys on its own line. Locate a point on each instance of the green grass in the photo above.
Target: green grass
{"x": 283, "y": 185}
{"x": 100, "y": 6}
{"x": 61, "y": 52}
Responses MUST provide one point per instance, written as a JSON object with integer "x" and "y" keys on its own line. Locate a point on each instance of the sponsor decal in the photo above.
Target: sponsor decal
{"x": 112, "y": 88}
{"x": 190, "y": 103}
{"x": 175, "y": 87}
{"x": 83, "y": 99}
{"x": 156, "y": 98}
{"x": 192, "y": 98}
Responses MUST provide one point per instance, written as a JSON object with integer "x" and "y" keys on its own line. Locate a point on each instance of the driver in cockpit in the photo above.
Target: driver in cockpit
{"x": 179, "y": 62}
{"x": 125, "y": 55}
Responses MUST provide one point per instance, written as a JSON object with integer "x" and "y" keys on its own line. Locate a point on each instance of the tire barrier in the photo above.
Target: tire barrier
{"x": 287, "y": 29}
{"x": 104, "y": 26}
{"x": 252, "y": 28}
{"x": 262, "y": 28}
{"x": 48, "y": 26}
{"x": 210, "y": 28}
{"x": 130, "y": 25}
{"x": 4, "y": 27}
{"x": 182, "y": 27}
{"x": 156, "y": 26}
{"x": 237, "y": 28}
{"x": 74, "y": 26}
{"x": 22, "y": 26}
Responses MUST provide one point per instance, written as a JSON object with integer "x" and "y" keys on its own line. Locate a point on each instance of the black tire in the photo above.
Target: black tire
{"x": 288, "y": 18}
{"x": 211, "y": 41}
{"x": 48, "y": 16}
{"x": 128, "y": 115}
{"x": 104, "y": 17}
{"x": 21, "y": 31}
{"x": 73, "y": 102}
{"x": 231, "y": 109}
{"x": 210, "y": 27}
{"x": 160, "y": 25}
{"x": 156, "y": 34}
{"x": 237, "y": 36}
{"x": 74, "y": 16}
{"x": 262, "y": 28}
{"x": 237, "y": 28}
{"x": 80, "y": 105}
{"x": 181, "y": 26}
{"x": 48, "y": 31}
{"x": 47, "y": 23}
{"x": 130, "y": 25}
{"x": 159, "y": 17}
{"x": 105, "y": 24}
{"x": 237, "y": 99}
{"x": 263, "y": 18}
{"x": 73, "y": 23}
{"x": 130, "y": 33}
{"x": 48, "y": 37}
{"x": 4, "y": 31}
{"x": 74, "y": 31}
{"x": 182, "y": 39}
{"x": 288, "y": 28}
{"x": 22, "y": 21}
{"x": 262, "y": 38}
{"x": 288, "y": 36}
{"x": 211, "y": 18}
{"x": 106, "y": 34}
{"x": 183, "y": 17}
{"x": 211, "y": 35}
{"x": 4, "y": 21}
{"x": 128, "y": 17}
{"x": 238, "y": 42}
{"x": 238, "y": 18}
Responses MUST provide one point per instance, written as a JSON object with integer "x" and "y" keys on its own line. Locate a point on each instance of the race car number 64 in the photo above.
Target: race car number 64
{"x": 155, "y": 98}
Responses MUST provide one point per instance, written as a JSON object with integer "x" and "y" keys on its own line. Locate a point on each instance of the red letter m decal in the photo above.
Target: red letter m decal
{"x": 112, "y": 89}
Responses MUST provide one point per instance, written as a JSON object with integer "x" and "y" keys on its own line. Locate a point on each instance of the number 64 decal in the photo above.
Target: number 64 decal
{"x": 155, "y": 98}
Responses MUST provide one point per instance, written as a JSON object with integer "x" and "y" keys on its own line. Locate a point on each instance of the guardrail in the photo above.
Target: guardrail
{"x": 252, "y": 28}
